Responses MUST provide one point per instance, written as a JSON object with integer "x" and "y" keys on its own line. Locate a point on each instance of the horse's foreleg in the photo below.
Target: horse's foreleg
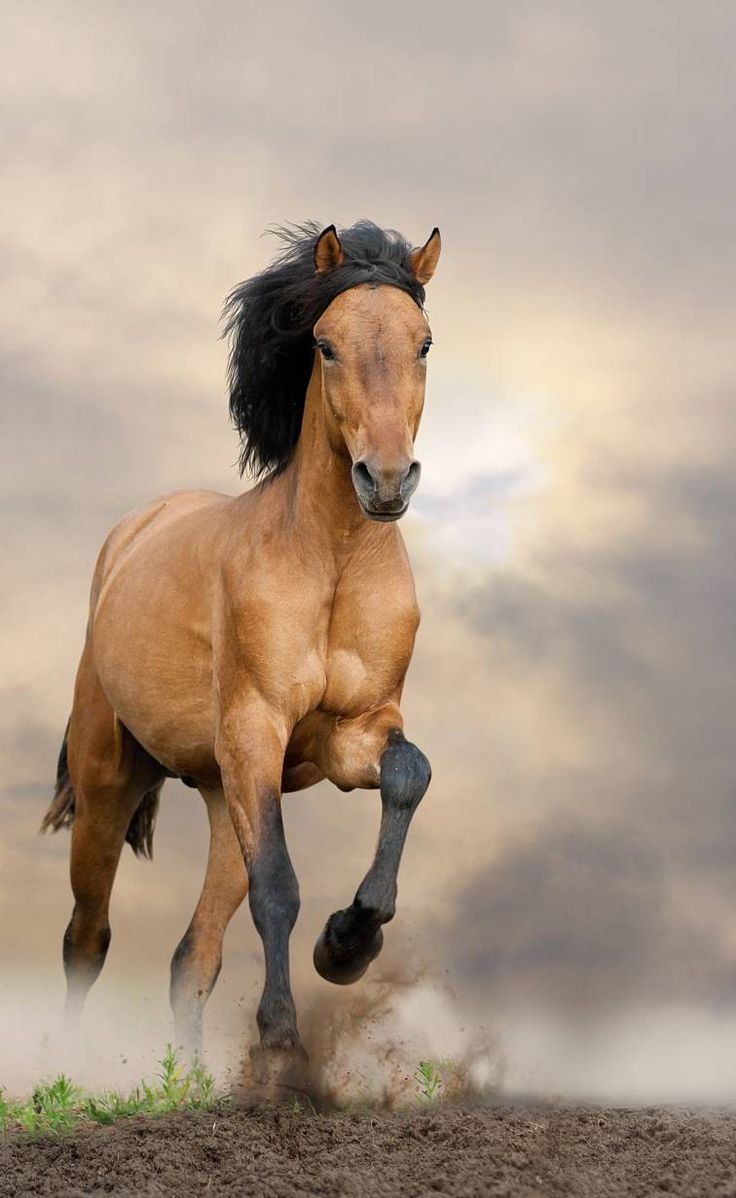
{"x": 353, "y": 937}
{"x": 250, "y": 750}
{"x": 196, "y": 963}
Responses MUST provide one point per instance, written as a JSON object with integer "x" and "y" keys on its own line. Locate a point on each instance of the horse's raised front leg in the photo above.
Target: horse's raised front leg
{"x": 353, "y": 937}
{"x": 250, "y": 752}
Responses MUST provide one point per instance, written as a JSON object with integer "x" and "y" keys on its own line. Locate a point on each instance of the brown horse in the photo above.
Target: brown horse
{"x": 255, "y": 645}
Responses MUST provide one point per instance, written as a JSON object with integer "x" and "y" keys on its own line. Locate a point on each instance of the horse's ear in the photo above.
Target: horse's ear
{"x": 424, "y": 259}
{"x": 328, "y": 252}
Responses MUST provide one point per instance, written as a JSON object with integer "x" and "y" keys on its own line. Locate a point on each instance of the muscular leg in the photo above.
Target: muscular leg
{"x": 98, "y": 836}
{"x": 274, "y": 904}
{"x": 250, "y": 749}
{"x": 110, "y": 774}
{"x": 353, "y": 937}
{"x": 196, "y": 962}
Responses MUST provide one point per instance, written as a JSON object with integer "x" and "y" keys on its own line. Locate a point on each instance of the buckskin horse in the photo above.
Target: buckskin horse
{"x": 254, "y": 645}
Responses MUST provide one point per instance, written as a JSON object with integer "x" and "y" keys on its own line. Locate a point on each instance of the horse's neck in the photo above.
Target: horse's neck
{"x": 322, "y": 496}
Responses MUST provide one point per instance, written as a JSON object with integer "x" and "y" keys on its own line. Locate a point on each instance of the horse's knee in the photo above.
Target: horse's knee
{"x": 405, "y": 773}
{"x": 350, "y": 753}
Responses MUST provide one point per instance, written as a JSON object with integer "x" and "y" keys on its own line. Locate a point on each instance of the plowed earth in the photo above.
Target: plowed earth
{"x": 515, "y": 1151}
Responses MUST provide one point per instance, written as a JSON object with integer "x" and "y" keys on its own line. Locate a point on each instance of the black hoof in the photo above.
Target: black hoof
{"x": 347, "y": 946}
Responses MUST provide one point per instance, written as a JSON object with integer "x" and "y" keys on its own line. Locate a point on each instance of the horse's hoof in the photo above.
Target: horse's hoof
{"x": 343, "y": 964}
{"x": 277, "y": 1075}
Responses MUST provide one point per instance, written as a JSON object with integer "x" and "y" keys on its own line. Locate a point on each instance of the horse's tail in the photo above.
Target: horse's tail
{"x": 143, "y": 821}
{"x": 62, "y": 808}
{"x": 61, "y": 811}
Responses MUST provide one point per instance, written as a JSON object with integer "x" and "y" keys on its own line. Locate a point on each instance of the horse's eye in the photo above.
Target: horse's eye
{"x": 325, "y": 350}
{"x": 425, "y": 348}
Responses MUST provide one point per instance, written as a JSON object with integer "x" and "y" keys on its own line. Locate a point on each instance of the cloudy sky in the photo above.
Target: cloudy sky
{"x": 572, "y": 866}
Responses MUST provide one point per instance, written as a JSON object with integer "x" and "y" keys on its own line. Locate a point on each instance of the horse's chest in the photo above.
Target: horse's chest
{"x": 367, "y": 653}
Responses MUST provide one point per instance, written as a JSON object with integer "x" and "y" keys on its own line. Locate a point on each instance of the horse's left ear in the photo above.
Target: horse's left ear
{"x": 328, "y": 253}
{"x": 424, "y": 259}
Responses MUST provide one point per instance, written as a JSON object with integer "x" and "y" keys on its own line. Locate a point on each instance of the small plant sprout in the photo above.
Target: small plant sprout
{"x": 5, "y": 1111}
{"x": 429, "y": 1082}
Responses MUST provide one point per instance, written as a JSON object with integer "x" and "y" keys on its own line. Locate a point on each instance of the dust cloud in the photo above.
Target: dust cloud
{"x": 365, "y": 1042}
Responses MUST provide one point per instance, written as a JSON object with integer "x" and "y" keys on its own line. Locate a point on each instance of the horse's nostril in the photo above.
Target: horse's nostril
{"x": 363, "y": 479}
{"x": 411, "y": 479}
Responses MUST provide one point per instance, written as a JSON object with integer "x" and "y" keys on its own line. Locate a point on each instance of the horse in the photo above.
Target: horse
{"x": 255, "y": 645}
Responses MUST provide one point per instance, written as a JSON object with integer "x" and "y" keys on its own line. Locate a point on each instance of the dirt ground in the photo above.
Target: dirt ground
{"x": 514, "y": 1151}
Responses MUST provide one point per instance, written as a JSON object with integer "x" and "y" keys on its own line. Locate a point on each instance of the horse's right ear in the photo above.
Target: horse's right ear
{"x": 328, "y": 253}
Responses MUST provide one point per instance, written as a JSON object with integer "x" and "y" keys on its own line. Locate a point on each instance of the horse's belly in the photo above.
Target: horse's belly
{"x": 157, "y": 674}
{"x": 168, "y": 711}
{"x": 151, "y": 627}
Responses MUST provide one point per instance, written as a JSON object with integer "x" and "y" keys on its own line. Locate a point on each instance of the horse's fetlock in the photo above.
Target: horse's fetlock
{"x": 276, "y": 1019}
{"x": 374, "y": 908}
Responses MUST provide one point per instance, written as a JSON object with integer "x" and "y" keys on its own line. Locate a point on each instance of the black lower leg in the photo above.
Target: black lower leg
{"x": 84, "y": 951}
{"x": 274, "y": 904}
{"x": 353, "y": 937}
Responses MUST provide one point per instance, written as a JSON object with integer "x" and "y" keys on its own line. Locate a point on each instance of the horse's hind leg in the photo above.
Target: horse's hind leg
{"x": 112, "y": 778}
{"x": 196, "y": 963}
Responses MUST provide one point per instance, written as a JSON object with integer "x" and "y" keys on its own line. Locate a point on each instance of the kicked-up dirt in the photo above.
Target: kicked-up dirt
{"x": 511, "y": 1151}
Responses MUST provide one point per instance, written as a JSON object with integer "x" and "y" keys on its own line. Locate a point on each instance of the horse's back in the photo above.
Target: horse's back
{"x": 153, "y": 525}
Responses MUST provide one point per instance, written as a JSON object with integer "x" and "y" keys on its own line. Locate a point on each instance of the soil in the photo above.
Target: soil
{"x": 514, "y": 1151}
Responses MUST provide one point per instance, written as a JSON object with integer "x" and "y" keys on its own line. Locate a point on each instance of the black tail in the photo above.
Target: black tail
{"x": 61, "y": 811}
{"x": 140, "y": 829}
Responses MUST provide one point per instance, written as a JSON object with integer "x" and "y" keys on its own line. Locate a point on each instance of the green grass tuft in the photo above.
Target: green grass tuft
{"x": 59, "y": 1106}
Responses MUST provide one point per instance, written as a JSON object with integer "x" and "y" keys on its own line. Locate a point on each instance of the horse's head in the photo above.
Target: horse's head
{"x": 373, "y": 342}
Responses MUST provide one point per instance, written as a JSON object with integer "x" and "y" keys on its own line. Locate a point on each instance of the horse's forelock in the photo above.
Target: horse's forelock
{"x": 269, "y": 320}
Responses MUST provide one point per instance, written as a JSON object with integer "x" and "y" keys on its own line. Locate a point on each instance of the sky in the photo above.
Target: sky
{"x": 569, "y": 877}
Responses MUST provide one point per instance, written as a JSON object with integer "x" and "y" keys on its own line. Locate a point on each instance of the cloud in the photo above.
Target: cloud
{"x": 621, "y": 890}
{"x": 577, "y": 919}
{"x": 572, "y": 683}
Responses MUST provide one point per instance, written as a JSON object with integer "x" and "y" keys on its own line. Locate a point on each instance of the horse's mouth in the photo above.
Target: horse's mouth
{"x": 384, "y": 515}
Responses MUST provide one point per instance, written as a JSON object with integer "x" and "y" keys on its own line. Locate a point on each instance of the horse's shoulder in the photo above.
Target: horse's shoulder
{"x": 151, "y": 528}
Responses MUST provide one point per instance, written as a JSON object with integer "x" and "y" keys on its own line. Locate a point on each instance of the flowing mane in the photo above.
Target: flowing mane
{"x": 269, "y": 321}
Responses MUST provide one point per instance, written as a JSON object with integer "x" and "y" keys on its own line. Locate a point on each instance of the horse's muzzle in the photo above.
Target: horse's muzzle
{"x": 384, "y": 494}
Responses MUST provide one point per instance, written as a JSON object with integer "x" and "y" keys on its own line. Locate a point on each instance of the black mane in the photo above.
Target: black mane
{"x": 269, "y": 320}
